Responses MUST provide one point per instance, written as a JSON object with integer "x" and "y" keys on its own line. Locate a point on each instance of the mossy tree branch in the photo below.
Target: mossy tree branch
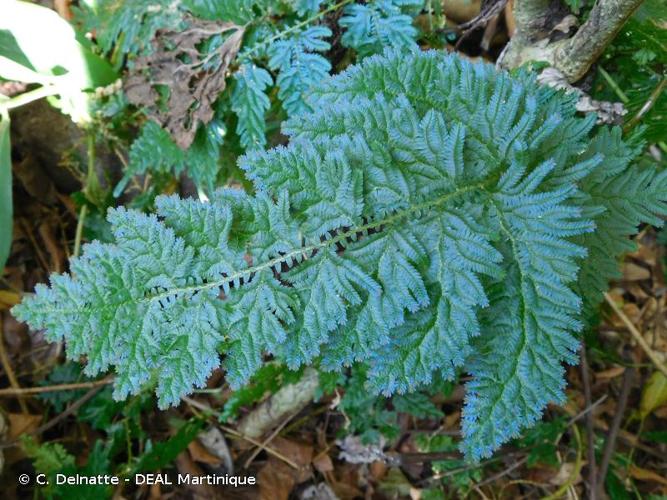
{"x": 573, "y": 56}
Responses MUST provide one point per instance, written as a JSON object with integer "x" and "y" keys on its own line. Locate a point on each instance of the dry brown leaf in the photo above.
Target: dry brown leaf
{"x": 346, "y": 491}
{"x": 646, "y": 475}
{"x": 185, "y": 465}
{"x": 635, "y": 272}
{"x": 20, "y": 423}
{"x": 323, "y": 463}
{"x": 199, "y": 454}
{"x": 378, "y": 470}
{"x": 8, "y": 299}
{"x": 299, "y": 453}
{"x": 638, "y": 292}
{"x": 632, "y": 311}
{"x": 276, "y": 480}
{"x": 610, "y": 373}
{"x": 192, "y": 89}
{"x": 461, "y": 11}
{"x": 661, "y": 413}
{"x": 154, "y": 492}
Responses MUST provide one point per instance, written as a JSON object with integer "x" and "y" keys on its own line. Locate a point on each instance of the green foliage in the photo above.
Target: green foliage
{"x": 154, "y": 151}
{"x": 62, "y": 374}
{"x": 63, "y": 64}
{"x": 431, "y": 215}
{"x": 367, "y": 415}
{"x": 284, "y": 44}
{"x": 48, "y": 458}
{"x": 636, "y": 61}
{"x": 163, "y": 453}
{"x": 541, "y": 442}
{"x": 112, "y": 455}
{"x": 52, "y": 458}
{"x": 574, "y": 5}
{"x": 380, "y": 24}
{"x": 460, "y": 477}
{"x": 126, "y": 27}
{"x": 237, "y": 11}
{"x": 99, "y": 411}
{"x": 655, "y": 436}
{"x": 306, "y": 7}
{"x": 371, "y": 416}
{"x": 250, "y": 103}
{"x": 416, "y": 404}
{"x": 299, "y": 67}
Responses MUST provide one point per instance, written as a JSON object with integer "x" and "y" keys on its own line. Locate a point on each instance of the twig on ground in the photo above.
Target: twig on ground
{"x": 58, "y": 418}
{"x": 6, "y": 364}
{"x": 590, "y": 429}
{"x": 636, "y": 334}
{"x": 587, "y": 410}
{"x": 610, "y": 442}
{"x": 29, "y": 391}
{"x": 29, "y": 233}
{"x": 235, "y": 433}
{"x": 266, "y": 442}
{"x": 490, "y": 10}
{"x": 503, "y": 472}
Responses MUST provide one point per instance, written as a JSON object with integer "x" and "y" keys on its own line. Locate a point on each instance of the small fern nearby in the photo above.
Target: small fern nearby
{"x": 428, "y": 216}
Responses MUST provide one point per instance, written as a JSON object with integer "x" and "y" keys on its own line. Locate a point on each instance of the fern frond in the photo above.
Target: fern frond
{"x": 429, "y": 216}
{"x": 300, "y": 66}
{"x": 154, "y": 151}
{"x": 250, "y": 102}
{"x": 303, "y": 7}
{"x": 374, "y": 26}
{"x": 237, "y": 11}
{"x": 129, "y": 26}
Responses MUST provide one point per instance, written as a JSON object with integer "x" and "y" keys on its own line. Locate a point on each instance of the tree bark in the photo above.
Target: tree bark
{"x": 573, "y": 56}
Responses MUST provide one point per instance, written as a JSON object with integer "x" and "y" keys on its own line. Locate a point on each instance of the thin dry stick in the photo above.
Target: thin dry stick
{"x": 267, "y": 441}
{"x": 6, "y": 364}
{"x": 58, "y": 418}
{"x": 237, "y": 434}
{"x": 29, "y": 391}
{"x": 503, "y": 472}
{"x": 587, "y": 410}
{"x": 27, "y": 230}
{"x": 637, "y": 336}
{"x": 590, "y": 432}
{"x": 610, "y": 442}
